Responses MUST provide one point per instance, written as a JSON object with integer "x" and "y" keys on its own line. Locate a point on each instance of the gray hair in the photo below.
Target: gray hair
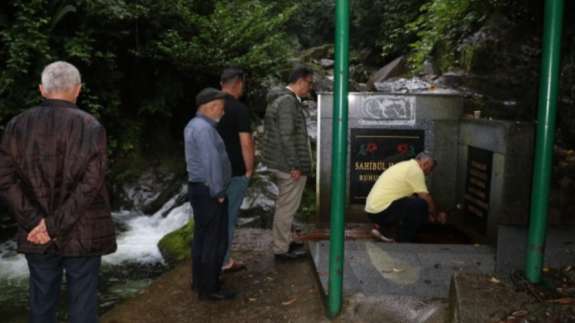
{"x": 60, "y": 76}
{"x": 425, "y": 156}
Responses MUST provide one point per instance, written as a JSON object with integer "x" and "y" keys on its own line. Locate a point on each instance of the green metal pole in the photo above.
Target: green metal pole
{"x": 549, "y": 85}
{"x": 339, "y": 158}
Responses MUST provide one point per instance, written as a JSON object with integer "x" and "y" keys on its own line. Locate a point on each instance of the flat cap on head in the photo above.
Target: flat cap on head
{"x": 207, "y": 95}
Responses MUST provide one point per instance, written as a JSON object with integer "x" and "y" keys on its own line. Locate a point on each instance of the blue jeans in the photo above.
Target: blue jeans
{"x": 235, "y": 193}
{"x": 46, "y": 278}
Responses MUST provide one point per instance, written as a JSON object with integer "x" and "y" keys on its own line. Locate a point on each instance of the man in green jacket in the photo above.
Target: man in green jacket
{"x": 287, "y": 153}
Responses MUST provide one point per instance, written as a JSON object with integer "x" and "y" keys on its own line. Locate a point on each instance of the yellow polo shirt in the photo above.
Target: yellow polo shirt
{"x": 400, "y": 180}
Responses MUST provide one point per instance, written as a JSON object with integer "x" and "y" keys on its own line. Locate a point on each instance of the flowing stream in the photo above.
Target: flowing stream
{"x": 124, "y": 273}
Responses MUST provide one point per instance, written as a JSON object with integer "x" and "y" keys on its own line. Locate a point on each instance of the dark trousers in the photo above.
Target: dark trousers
{"x": 210, "y": 238}
{"x": 46, "y": 279}
{"x": 409, "y": 212}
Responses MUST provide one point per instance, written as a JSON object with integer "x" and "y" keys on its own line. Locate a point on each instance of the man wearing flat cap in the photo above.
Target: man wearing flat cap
{"x": 209, "y": 173}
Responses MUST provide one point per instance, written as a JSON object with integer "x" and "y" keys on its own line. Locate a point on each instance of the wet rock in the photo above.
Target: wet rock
{"x": 395, "y": 68}
{"x": 150, "y": 191}
{"x": 175, "y": 201}
{"x": 169, "y": 189}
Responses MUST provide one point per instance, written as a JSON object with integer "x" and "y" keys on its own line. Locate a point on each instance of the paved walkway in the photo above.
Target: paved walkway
{"x": 421, "y": 270}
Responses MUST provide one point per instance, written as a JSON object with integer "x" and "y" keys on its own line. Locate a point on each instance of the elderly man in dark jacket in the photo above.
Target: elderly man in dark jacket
{"x": 52, "y": 177}
{"x": 286, "y": 151}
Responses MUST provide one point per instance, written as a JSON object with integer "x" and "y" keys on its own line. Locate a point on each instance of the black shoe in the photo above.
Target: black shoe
{"x": 291, "y": 255}
{"x": 295, "y": 245}
{"x": 221, "y": 295}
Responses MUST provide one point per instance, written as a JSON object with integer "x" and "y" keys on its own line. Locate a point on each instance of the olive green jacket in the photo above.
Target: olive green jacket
{"x": 286, "y": 143}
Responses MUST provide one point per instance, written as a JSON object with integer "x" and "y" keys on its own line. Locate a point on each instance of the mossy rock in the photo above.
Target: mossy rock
{"x": 175, "y": 246}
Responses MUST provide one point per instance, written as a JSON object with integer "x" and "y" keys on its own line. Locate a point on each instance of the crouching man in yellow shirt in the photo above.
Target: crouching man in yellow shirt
{"x": 400, "y": 195}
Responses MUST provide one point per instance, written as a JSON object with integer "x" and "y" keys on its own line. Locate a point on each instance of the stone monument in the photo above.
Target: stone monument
{"x": 385, "y": 129}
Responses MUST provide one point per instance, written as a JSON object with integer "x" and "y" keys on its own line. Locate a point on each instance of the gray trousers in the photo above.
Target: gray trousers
{"x": 287, "y": 203}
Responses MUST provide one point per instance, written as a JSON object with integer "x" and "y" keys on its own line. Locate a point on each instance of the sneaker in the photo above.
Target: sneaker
{"x": 380, "y": 237}
{"x": 291, "y": 255}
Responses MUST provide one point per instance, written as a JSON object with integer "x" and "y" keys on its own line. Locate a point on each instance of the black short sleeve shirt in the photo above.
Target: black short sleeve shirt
{"x": 236, "y": 119}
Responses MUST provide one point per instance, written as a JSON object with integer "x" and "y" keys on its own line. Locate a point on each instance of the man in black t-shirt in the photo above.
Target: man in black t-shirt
{"x": 235, "y": 130}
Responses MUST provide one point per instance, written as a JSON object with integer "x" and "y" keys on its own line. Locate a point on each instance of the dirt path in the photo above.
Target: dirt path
{"x": 269, "y": 292}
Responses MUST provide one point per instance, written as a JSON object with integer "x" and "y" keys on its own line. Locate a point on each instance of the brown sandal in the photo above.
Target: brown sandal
{"x": 236, "y": 266}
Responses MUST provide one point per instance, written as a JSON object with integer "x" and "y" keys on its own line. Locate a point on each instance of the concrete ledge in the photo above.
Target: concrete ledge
{"x": 476, "y": 298}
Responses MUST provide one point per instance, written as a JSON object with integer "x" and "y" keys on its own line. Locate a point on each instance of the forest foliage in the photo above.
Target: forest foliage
{"x": 142, "y": 61}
